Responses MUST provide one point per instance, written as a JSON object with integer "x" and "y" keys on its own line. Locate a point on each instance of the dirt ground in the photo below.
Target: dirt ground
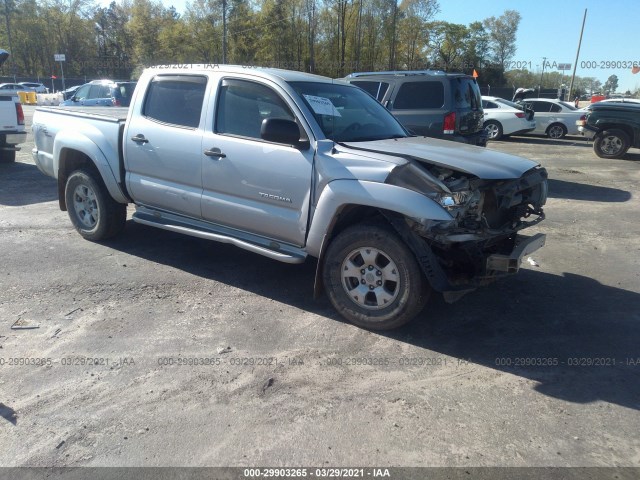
{"x": 156, "y": 349}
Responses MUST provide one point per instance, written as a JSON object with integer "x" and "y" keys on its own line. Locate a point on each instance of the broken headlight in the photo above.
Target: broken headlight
{"x": 454, "y": 199}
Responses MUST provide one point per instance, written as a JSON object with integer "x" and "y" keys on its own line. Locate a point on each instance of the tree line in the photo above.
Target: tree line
{"x": 327, "y": 37}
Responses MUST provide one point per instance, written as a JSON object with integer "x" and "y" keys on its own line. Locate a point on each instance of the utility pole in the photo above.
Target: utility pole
{"x": 6, "y": 17}
{"x": 584, "y": 19}
{"x": 544, "y": 60}
{"x": 224, "y": 31}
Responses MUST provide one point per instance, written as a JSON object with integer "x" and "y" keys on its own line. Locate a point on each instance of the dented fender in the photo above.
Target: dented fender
{"x": 339, "y": 193}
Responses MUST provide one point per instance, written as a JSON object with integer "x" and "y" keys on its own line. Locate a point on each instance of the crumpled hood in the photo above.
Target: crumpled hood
{"x": 481, "y": 162}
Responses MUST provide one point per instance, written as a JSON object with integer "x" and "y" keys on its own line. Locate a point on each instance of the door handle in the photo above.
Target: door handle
{"x": 214, "y": 152}
{"x": 139, "y": 139}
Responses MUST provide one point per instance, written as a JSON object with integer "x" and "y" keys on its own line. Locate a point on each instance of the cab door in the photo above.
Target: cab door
{"x": 250, "y": 184}
{"x": 162, "y": 144}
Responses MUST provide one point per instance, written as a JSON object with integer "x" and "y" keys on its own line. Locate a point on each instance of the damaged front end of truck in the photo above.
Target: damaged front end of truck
{"x": 481, "y": 241}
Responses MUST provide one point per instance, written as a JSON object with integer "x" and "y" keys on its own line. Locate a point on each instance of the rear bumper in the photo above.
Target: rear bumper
{"x": 478, "y": 139}
{"x": 14, "y": 138}
{"x": 587, "y": 131}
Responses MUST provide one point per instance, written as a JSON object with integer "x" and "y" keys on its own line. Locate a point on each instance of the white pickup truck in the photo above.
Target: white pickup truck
{"x": 12, "y": 131}
{"x": 291, "y": 165}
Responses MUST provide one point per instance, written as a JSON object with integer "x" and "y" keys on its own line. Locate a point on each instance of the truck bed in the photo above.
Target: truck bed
{"x": 117, "y": 114}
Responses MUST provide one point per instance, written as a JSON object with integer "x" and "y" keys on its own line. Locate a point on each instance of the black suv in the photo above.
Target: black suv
{"x": 614, "y": 127}
{"x": 428, "y": 102}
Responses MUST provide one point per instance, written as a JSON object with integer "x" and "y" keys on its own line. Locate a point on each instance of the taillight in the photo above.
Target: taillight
{"x": 19, "y": 114}
{"x": 519, "y": 114}
{"x": 582, "y": 121}
{"x": 449, "y": 127}
{"x": 116, "y": 102}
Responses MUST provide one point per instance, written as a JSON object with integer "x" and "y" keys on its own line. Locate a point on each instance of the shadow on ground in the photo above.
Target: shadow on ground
{"x": 586, "y": 192}
{"x": 577, "y": 338}
{"x": 23, "y": 184}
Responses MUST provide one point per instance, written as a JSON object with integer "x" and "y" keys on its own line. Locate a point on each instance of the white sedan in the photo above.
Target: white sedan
{"x": 554, "y": 118}
{"x": 502, "y": 118}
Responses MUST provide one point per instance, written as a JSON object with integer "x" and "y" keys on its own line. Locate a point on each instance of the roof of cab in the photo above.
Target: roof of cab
{"x": 264, "y": 72}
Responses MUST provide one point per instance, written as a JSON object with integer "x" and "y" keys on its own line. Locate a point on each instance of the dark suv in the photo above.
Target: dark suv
{"x": 430, "y": 103}
{"x": 614, "y": 127}
{"x": 102, "y": 93}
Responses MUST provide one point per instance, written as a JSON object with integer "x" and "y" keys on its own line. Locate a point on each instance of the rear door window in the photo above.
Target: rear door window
{"x": 466, "y": 93}
{"x": 99, "y": 91}
{"x": 175, "y": 99}
{"x": 542, "y": 107}
{"x": 419, "y": 95}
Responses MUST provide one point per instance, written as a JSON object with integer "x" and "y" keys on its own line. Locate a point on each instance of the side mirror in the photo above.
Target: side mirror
{"x": 281, "y": 130}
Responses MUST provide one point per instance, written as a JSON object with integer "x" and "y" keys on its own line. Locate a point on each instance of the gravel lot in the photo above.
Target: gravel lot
{"x": 540, "y": 369}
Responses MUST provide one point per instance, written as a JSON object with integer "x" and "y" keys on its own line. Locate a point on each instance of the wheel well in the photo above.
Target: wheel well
{"x": 71, "y": 160}
{"x": 352, "y": 214}
{"x": 349, "y": 215}
{"x": 611, "y": 126}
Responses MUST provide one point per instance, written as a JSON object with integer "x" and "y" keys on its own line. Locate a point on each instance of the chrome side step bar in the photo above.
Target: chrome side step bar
{"x": 166, "y": 221}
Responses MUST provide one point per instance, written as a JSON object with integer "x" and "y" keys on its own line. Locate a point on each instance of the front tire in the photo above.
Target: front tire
{"x": 612, "y": 143}
{"x": 373, "y": 279}
{"x": 556, "y": 131}
{"x": 95, "y": 215}
{"x": 494, "y": 130}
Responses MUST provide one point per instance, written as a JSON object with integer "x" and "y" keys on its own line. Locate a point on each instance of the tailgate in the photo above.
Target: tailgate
{"x": 8, "y": 117}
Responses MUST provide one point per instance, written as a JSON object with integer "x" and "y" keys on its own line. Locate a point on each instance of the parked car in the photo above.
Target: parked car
{"x": 12, "y": 130}
{"x": 554, "y": 118}
{"x": 36, "y": 87}
{"x": 290, "y": 165}
{"x": 503, "y": 118}
{"x": 102, "y": 93}
{"x": 12, "y": 88}
{"x": 430, "y": 103}
{"x": 613, "y": 126}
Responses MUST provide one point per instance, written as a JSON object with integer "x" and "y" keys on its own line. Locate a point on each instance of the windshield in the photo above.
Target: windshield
{"x": 348, "y": 114}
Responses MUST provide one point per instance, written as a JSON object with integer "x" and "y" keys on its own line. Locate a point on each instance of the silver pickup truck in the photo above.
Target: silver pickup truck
{"x": 291, "y": 165}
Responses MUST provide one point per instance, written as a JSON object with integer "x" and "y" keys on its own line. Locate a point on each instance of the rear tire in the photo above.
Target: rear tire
{"x": 7, "y": 156}
{"x": 556, "y": 131}
{"x": 95, "y": 215}
{"x": 373, "y": 279}
{"x": 494, "y": 130}
{"x": 612, "y": 143}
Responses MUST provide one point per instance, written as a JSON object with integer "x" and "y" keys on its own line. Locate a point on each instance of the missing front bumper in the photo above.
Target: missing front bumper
{"x": 511, "y": 263}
